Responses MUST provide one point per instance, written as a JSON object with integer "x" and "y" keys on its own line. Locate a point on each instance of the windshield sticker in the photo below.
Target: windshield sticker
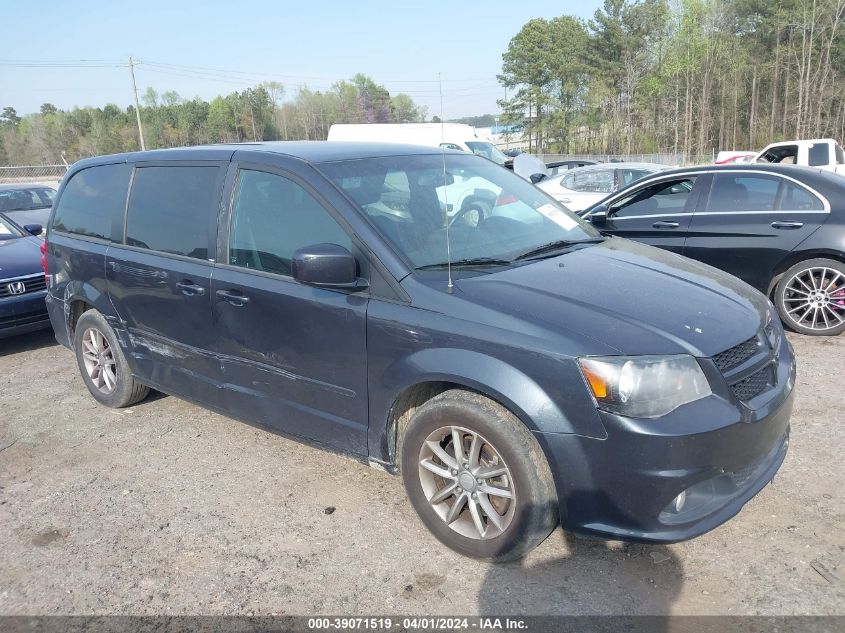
{"x": 557, "y": 216}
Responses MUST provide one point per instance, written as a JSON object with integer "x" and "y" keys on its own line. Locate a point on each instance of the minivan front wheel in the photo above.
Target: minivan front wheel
{"x": 102, "y": 363}
{"x": 810, "y": 297}
{"x": 477, "y": 477}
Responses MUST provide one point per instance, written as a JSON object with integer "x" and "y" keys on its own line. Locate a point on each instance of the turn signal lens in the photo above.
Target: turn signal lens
{"x": 596, "y": 382}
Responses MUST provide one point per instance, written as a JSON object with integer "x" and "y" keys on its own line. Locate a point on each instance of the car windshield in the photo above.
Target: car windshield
{"x": 8, "y": 231}
{"x": 493, "y": 215}
{"x": 488, "y": 151}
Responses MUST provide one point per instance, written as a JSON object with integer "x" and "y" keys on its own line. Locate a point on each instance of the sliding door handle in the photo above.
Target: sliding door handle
{"x": 190, "y": 288}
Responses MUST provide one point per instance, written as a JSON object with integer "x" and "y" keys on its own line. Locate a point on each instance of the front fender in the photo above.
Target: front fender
{"x": 488, "y": 375}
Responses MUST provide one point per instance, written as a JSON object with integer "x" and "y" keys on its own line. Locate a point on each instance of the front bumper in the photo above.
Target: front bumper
{"x": 718, "y": 451}
{"x": 23, "y": 313}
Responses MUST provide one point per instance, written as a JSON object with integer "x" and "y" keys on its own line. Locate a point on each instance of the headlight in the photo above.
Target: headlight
{"x": 644, "y": 386}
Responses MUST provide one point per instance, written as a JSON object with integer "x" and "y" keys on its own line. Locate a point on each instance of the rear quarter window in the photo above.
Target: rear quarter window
{"x": 819, "y": 154}
{"x": 93, "y": 202}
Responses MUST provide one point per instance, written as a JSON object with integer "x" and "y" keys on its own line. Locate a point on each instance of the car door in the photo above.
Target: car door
{"x": 750, "y": 220}
{"x": 294, "y": 356}
{"x": 159, "y": 277}
{"x": 657, "y": 213}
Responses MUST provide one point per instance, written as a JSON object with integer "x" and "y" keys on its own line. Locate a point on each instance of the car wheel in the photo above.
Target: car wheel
{"x": 810, "y": 297}
{"x": 477, "y": 477}
{"x": 102, "y": 363}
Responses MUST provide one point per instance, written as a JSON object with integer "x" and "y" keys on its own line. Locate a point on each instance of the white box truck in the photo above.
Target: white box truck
{"x": 449, "y": 135}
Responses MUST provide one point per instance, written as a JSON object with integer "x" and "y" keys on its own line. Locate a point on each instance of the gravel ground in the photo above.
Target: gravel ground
{"x": 166, "y": 508}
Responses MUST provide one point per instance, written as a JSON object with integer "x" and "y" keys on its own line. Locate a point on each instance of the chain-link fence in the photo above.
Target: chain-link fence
{"x": 49, "y": 175}
{"x": 669, "y": 158}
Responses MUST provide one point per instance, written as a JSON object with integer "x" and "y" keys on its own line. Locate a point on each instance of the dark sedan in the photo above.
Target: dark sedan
{"x": 22, "y": 284}
{"x": 27, "y": 204}
{"x": 779, "y": 228}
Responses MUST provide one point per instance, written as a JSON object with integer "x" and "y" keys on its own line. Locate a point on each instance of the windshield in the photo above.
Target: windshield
{"x": 492, "y": 213}
{"x": 488, "y": 151}
{"x": 8, "y": 230}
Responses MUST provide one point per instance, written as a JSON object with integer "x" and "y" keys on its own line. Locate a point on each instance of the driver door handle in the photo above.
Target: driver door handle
{"x": 190, "y": 288}
{"x": 663, "y": 224}
{"x": 232, "y": 297}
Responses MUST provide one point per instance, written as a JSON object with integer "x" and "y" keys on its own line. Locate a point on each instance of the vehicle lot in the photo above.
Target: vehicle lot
{"x": 167, "y": 508}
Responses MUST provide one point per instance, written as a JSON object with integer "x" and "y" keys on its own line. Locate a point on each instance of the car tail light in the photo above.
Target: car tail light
{"x": 44, "y": 257}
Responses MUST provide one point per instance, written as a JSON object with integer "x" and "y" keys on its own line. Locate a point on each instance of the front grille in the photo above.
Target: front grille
{"x": 31, "y": 284}
{"x": 737, "y": 355}
{"x": 754, "y": 385}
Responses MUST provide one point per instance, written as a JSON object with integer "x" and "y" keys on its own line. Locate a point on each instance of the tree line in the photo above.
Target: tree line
{"x": 168, "y": 120}
{"x": 641, "y": 76}
{"x": 689, "y": 76}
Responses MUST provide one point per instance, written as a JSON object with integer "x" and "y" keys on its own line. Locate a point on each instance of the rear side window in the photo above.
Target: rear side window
{"x": 743, "y": 192}
{"x": 170, "y": 209}
{"x": 797, "y": 198}
{"x": 593, "y": 181}
{"x": 627, "y": 176}
{"x": 272, "y": 217}
{"x": 93, "y": 201}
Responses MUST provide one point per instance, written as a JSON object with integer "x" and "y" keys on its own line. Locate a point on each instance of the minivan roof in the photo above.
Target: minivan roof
{"x": 311, "y": 151}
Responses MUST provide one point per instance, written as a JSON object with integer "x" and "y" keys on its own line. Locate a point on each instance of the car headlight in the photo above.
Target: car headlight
{"x": 644, "y": 386}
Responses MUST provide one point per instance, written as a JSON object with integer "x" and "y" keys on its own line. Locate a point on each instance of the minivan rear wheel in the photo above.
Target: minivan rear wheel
{"x": 810, "y": 297}
{"x": 477, "y": 477}
{"x": 102, "y": 363}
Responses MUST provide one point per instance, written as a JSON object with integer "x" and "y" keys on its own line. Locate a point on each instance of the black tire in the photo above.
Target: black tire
{"x": 125, "y": 390}
{"x": 794, "y": 287}
{"x": 535, "y": 508}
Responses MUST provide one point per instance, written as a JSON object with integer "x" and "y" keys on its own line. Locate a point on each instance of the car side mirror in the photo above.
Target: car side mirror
{"x": 33, "y": 229}
{"x": 535, "y": 178}
{"x": 326, "y": 266}
{"x": 598, "y": 215}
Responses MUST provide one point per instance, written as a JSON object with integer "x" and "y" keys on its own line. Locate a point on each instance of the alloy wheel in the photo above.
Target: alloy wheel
{"x": 467, "y": 482}
{"x": 99, "y": 360}
{"x": 815, "y": 298}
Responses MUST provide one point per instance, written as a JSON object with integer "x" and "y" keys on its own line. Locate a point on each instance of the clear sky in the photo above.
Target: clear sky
{"x": 218, "y": 46}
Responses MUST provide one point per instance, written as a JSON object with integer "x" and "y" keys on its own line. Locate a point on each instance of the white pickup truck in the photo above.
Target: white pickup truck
{"x": 824, "y": 153}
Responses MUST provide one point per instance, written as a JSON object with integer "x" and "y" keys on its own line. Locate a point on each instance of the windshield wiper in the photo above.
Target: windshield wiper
{"x": 555, "y": 246}
{"x": 475, "y": 261}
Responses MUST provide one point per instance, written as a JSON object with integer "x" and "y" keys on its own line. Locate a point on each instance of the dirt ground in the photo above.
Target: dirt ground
{"x": 166, "y": 508}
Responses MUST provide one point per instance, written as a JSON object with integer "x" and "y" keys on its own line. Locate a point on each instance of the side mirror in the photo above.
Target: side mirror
{"x": 598, "y": 215}
{"x": 33, "y": 229}
{"x": 326, "y": 266}
{"x": 535, "y": 178}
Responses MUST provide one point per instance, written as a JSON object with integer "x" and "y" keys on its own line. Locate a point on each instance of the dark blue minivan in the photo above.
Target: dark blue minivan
{"x": 433, "y": 314}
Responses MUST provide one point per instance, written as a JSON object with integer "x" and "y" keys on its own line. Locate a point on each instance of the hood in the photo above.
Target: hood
{"x": 20, "y": 257}
{"x": 629, "y": 298}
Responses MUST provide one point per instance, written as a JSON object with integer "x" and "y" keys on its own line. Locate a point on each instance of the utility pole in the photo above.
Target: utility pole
{"x": 137, "y": 106}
